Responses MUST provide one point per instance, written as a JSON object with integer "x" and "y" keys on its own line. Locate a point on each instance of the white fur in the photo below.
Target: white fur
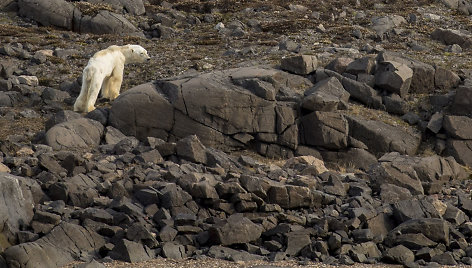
{"x": 105, "y": 71}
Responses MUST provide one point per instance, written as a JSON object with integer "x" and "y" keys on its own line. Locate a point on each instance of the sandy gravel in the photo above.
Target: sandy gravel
{"x": 215, "y": 263}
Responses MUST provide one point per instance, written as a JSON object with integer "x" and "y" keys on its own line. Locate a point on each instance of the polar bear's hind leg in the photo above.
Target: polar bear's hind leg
{"x": 92, "y": 93}
{"x": 79, "y": 105}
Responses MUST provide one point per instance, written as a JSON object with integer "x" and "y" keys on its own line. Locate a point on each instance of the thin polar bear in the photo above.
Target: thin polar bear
{"x": 105, "y": 71}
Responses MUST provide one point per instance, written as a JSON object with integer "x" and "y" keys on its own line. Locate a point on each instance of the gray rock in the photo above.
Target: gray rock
{"x": 445, "y": 79}
{"x": 445, "y": 258}
{"x": 394, "y": 77}
{"x": 353, "y": 157}
{"x": 382, "y": 25}
{"x": 173, "y": 251}
{"x": 50, "y": 13}
{"x": 400, "y": 254}
{"x": 405, "y": 210}
{"x": 113, "y": 135}
{"x": 326, "y": 95}
{"x": 91, "y": 264}
{"x": 130, "y": 251}
{"x": 364, "y": 65}
{"x": 381, "y": 137}
{"x": 458, "y": 127}
{"x": 435, "y": 229}
{"x": 182, "y": 111}
{"x": 75, "y": 134}
{"x": 236, "y": 230}
{"x": 436, "y": 122}
{"x": 423, "y": 74}
{"x": 455, "y": 215}
{"x": 325, "y": 129}
{"x": 462, "y": 103}
{"x": 191, "y": 149}
{"x": 339, "y": 65}
{"x": 300, "y": 64}
{"x": 391, "y": 193}
{"x": 16, "y": 205}
{"x": 450, "y": 37}
{"x": 296, "y": 241}
{"x": 60, "y": 117}
{"x": 106, "y": 22}
{"x": 64, "y": 244}
{"x": 130, "y": 6}
{"x": 225, "y": 253}
{"x": 395, "y": 104}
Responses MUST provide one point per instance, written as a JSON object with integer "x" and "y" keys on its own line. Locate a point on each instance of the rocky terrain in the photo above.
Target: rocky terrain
{"x": 309, "y": 132}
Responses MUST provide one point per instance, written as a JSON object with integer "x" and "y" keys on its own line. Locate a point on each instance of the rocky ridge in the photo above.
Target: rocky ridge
{"x": 374, "y": 144}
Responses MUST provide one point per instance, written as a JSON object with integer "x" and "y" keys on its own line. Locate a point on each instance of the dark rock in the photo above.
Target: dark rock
{"x": 91, "y": 264}
{"x": 62, "y": 245}
{"x": 400, "y": 254}
{"x": 445, "y": 79}
{"x": 225, "y": 253}
{"x": 450, "y": 37}
{"x": 192, "y": 149}
{"x": 435, "y": 229}
{"x": 237, "y": 229}
{"x": 76, "y": 134}
{"x": 60, "y": 117}
{"x": 130, "y": 251}
{"x": 173, "y": 251}
{"x": 326, "y": 95}
{"x": 390, "y": 193}
{"x": 462, "y": 103}
{"x": 455, "y": 215}
{"x": 395, "y": 104}
{"x": 436, "y": 122}
{"x": 16, "y": 206}
{"x": 362, "y": 65}
{"x": 458, "y": 127}
{"x": 394, "y": 77}
{"x": 444, "y": 259}
{"x": 325, "y": 129}
{"x": 339, "y": 65}
{"x": 296, "y": 241}
{"x": 461, "y": 150}
{"x": 381, "y": 137}
{"x": 300, "y": 64}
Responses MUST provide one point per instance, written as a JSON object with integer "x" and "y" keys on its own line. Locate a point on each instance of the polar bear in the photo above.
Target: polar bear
{"x": 105, "y": 71}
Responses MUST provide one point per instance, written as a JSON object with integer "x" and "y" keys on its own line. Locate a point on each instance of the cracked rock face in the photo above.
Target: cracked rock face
{"x": 75, "y": 134}
{"x": 16, "y": 207}
{"x": 218, "y": 107}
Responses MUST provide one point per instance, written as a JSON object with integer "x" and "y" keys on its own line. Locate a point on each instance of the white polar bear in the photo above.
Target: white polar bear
{"x": 105, "y": 71}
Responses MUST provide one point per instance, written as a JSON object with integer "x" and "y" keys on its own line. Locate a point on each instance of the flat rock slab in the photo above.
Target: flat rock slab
{"x": 64, "y": 244}
{"x": 219, "y": 107}
{"x": 381, "y": 138}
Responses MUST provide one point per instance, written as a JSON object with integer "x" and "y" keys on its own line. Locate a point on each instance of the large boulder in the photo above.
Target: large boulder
{"x": 449, "y": 37}
{"x": 236, "y": 230}
{"x": 63, "y": 14}
{"x": 106, "y": 22}
{"x": 134, "y": 7}
{"x": 64, "y": 244}
{"x": 394, "y": 77}
{"x": 325, "y": 129}
{"x": 327, "y": 95}
{"x": 462, "y": 104}
{"x": 411, "y": 172}
{"x": 57, "y": 13}
{"x": 16, "y": 206}
{"x": 79, "y": 133}
{"x": 221, "y": 108}
{"x": 423, "y": 74}
{"x": 382, "y": 138}
{"x": 458, "y": 127}
{"x": 461, "y": 150}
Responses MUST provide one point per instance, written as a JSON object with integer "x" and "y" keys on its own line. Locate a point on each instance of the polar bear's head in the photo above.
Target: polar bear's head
{"x": 135, "y": 54}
